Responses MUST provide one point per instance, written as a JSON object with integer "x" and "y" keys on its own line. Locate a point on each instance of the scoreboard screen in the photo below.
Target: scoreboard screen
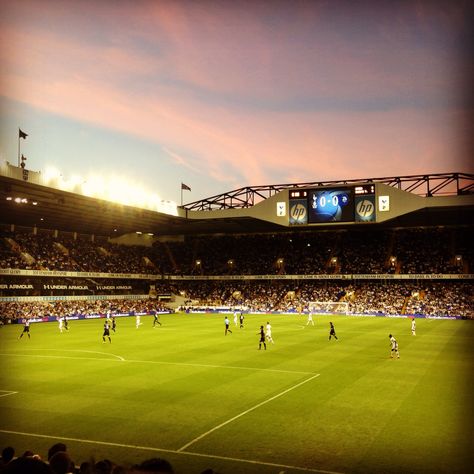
{"x": 331, "y": 205}
{"x": 326, "y": 205}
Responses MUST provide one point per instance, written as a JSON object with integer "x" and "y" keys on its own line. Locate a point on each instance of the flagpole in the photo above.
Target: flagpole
{"x": 184, "y": 187}
{"x": 18, "y": 148}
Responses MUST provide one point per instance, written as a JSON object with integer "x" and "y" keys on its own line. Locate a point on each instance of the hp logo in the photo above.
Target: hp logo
{"x": 298, "y": 214}
{"x": 365, "y": 210}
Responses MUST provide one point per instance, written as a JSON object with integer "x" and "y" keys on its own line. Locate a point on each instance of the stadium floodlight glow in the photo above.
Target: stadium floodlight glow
{"x": 17, "y": 200}
{"x": 110, "y": 188}
{"x": 151, "y": 234}
{"x": 34, "y": 203}
{"x": 72, "y": 184}
{"x": 9, "y": 198}
{"x": 138, "y": 232}
{"x": 51, "y": 174}
{"x": 92, "y": 186}
{"x": 24, "y": 200}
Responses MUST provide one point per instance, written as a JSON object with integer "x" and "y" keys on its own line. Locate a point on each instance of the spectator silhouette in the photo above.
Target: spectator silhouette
{"x": 27, "y": 465}
{"x": 61, "y": 463}
{"x": 7, "y": 455}
{"x": 56, "y": 448}
{"x": 153, "y": 466}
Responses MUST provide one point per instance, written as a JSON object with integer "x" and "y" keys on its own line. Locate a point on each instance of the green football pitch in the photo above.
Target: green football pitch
{"x": 189, "y": 394}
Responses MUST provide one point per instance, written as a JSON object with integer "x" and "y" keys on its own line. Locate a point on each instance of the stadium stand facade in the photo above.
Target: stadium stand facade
{"x": 383, "y": 267}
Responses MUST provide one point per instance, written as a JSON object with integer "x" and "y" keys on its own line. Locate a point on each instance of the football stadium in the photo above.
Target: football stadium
{"x": 321, "y": 327}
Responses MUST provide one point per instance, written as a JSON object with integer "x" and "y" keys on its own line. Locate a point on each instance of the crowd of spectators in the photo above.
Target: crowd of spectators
{"x": 365, "y": 252}
{"x": 367, "y": 297}
{"x": 16, "y": 310}
{"x": 59, "y": 461}
{"x": 450, "y": 300}
{"x": 373, "y": 251}
{"x": 425, "y": 251}
{"x": 420, "y": 250}
{"x": 44, "y": 251}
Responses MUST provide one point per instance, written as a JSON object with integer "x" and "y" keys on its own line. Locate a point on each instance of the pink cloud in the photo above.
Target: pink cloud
{"x": 235, "y": 57}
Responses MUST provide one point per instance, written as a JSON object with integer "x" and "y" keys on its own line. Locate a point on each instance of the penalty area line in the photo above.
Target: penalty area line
{"x": 170, "y": 451}
{"x": 258, "y": 405}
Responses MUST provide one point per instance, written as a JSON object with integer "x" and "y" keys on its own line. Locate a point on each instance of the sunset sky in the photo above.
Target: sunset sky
{"x": 225, "y": 94}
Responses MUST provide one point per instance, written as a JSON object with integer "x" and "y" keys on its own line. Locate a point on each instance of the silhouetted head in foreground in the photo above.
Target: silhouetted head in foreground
{"x": 154, "y": 465}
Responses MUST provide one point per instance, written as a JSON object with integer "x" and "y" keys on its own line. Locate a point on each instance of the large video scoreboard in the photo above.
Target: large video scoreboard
{"x": 325, "y": 205}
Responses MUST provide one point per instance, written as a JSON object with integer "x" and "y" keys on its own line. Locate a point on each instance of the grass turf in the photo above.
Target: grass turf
{"x": 189, "y": 394}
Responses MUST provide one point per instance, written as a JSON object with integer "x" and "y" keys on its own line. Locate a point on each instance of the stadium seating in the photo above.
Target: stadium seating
{"x": 415, "y": 251}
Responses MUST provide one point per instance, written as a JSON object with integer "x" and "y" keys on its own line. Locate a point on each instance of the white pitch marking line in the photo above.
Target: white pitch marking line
{"x": 7, "y": 393}
{"x": 79, "y": 350}
{"x": 219, "y": 366}
{"x": 263, "y": 463}
{"x": 245, "y": 412}
{"x": 62, "y": 357}
{"x": 96, "y": 352}
{"x": 179, "y": 364}
{"x": 170, "y": 451}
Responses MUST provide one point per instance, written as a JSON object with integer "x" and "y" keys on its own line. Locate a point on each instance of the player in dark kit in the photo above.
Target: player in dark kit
{"x": 262, "y": 339}
{"x": 156, "y": 319}
{"x": 332, "y": 331}
{"x": 106, "y": 331}
{"x": 241, "y": 320}
{"x": 26, "y": 329}
{"x": 114, "y": 324}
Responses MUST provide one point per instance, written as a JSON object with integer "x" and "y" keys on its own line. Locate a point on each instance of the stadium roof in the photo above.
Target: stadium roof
{"x": 441, "y": 184}
{"x": 62, "y": 210}
{"x": 66, "y": 211}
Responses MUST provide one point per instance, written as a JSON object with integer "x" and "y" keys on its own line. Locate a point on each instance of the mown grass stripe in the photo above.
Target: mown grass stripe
{"x": 195, "y": 440}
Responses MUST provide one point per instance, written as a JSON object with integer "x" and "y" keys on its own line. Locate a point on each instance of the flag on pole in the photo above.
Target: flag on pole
{"x": 185, "y": 187}
{"x": 22, "y": 134}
